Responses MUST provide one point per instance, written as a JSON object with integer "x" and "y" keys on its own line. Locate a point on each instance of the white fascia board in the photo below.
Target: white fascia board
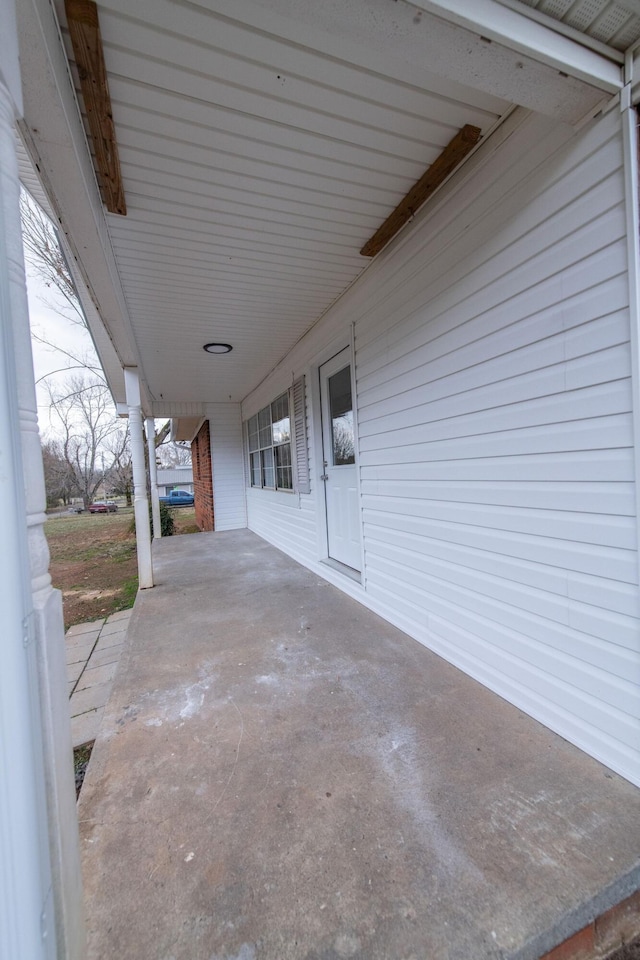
{"x": 9, "y": 62}
{"x": 520, "y": 33}
{"x": 55, "y": 139}
{"x": 633, "y": 66}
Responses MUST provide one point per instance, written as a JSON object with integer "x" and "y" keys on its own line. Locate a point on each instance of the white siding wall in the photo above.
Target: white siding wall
{"x": 496, "y": 433}
{"x": 227, "y": 459}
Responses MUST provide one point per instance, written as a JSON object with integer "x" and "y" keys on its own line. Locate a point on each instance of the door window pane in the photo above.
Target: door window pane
{"x": 341, "y": 409}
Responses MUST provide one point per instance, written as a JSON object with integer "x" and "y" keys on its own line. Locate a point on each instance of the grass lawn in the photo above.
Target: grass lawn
{"x": 93, "y": 560}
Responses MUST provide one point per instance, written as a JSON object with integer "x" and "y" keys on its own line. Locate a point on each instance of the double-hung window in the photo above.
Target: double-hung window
{"x": 269, "y": 439}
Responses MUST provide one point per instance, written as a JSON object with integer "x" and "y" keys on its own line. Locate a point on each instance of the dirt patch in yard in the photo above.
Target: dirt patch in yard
{"x": 93, "y": 563}
{"x": 93, "y": 560}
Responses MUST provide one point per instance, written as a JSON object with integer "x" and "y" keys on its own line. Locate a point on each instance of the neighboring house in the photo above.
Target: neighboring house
{"x": 444, "y": 423}
{"x": 174, "y": 478}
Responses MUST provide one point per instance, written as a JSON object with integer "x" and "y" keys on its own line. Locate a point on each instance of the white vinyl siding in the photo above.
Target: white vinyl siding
{"x": 227, "y": 460}
{"x": 496, "y": 434}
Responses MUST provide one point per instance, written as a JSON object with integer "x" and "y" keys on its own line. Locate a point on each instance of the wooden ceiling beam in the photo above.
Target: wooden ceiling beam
{"x": 452, "y": 155}
{"x": 84, "y": 30}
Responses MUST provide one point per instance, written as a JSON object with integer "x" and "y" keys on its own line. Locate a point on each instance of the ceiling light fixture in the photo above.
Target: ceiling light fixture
{"x": 218, "y": 347}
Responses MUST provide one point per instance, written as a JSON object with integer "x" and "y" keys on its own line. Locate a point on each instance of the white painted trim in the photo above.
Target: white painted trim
{"x": 356, "y": 444}
{"x": 153, "y": 477}
{"x": 41, "y": 912}
{"x": 9, "y": 55}
{"x": 55, "y": 139}
{"x": 140, "y": 501}
{"x": 335, "y": 364}
{"x": 335, "y": 346}
{"x": 583, "y": 39}
{"x": 632, "y": 66}
{"x": 521, "y": 33}
{"x": 631, "y": 173}
{"x": 25, "y": 871}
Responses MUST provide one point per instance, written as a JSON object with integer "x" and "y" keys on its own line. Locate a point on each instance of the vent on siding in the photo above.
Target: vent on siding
{"x": 301, "y": 458}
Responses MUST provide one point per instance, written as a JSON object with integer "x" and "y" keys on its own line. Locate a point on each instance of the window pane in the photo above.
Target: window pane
{"x": 341, "y": 417}
{"x": 255, "y": 470}
{"x": 268, "y": 478}
{"x": 280, "y": 407}
{"x": 252, "y": 431}
{"x": 264, "y": 427}
{"x": 281, "y": 431}
{"x": 284, "y": 473}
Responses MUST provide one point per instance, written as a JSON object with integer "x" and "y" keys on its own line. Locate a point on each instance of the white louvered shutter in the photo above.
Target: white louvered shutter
{"x": 301, "y": 455}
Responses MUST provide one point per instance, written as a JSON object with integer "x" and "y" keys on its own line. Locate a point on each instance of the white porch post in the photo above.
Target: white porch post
{"x": 153, "y": 476}
{"x": 40, "y": 882}
{"x": 140, "y": 501}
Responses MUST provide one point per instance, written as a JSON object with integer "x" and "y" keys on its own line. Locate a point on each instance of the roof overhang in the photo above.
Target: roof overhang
{"x": 262, "y": 143}
{"x": 185, "y": 429}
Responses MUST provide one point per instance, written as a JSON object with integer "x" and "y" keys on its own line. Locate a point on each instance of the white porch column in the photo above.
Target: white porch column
{"x": 153, "y": 476}
{"x": 40, "y": 882}
{"x": 140, "y": 501}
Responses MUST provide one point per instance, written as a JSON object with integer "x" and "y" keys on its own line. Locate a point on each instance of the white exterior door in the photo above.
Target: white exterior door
{"x": 341, "y": 493}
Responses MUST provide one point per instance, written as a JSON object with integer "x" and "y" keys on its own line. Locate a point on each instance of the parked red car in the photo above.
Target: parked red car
{"x": 103, "y": 506}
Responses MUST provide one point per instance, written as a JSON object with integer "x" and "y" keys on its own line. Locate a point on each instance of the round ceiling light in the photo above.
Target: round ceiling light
{"x": 218, "y": 347}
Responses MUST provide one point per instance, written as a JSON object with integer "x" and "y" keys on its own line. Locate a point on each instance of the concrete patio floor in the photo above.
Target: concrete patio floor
{"x": 282, "y": 775}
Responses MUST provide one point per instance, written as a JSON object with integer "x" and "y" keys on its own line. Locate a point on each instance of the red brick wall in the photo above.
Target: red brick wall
{"x": 202, "y": 478}
{"x": 609, "y": 931}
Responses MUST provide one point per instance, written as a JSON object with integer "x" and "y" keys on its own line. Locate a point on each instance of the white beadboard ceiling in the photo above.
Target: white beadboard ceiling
{"x": 257, "y": 160}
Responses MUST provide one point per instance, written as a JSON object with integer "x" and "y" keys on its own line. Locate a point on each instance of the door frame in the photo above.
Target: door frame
{"x": 336, "y": 347}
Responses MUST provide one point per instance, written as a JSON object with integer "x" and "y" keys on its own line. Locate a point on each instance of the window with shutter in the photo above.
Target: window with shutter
{"x": 276, "y": 450}
{"x": 269, "y": 446}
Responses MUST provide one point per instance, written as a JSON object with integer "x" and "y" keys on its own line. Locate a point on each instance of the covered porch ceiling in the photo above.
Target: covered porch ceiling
{"x": 262, "y": 144}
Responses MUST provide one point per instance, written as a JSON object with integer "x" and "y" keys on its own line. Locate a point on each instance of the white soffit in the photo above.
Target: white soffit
{"x": 185, "y": 429}
{"x": 616, "y": 24}
{"x": 261, "y": 145}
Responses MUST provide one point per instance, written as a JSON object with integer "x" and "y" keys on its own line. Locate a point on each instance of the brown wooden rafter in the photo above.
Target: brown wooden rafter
{"x": 84, "y": 29}
{"x": 452, "y": 155}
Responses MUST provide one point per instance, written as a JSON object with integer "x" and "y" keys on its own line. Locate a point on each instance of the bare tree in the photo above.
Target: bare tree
{"x": 43, "y": 253}
{"x": 58, "y": 479}
{"x": 91, "y": 437}
{"x": 174, "y": 454}
{"x": 90, "y": 440}
{"x": 121, "y": 472}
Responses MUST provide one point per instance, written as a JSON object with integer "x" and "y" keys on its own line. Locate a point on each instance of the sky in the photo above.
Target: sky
{"x": 46, "y": 314}
{"x": 47, "y": 319}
